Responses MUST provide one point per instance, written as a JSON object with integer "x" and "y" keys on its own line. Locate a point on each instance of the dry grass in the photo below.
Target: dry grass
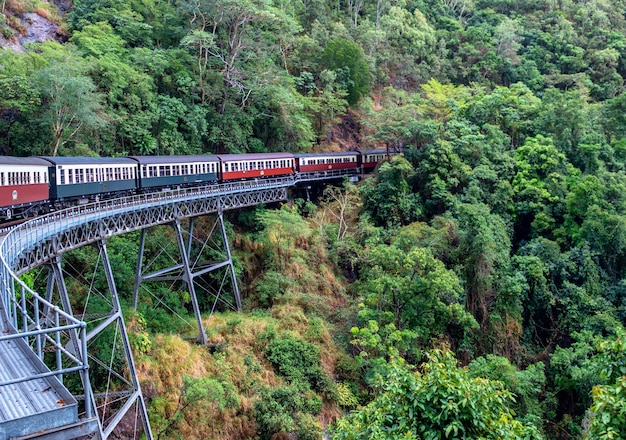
{"x": 15, "y": 7}
{"x": 238, "y": 340}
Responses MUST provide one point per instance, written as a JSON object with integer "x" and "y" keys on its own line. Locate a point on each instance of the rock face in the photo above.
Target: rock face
{"x": 34, "y": 28}
{"x": 38, "y": 29}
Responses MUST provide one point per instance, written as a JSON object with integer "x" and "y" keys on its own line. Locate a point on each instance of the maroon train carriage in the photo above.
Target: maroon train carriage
{"x": 248, "y": 166}
{"x": 316, "y": 162}
{"x": 370, "y": 159}
{"x": 24, "y": 186}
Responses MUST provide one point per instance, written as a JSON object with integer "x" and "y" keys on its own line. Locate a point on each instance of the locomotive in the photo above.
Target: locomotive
{"x": 31, "y": 186}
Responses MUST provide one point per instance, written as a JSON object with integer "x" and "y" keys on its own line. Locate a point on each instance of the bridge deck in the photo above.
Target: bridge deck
{"x": 34, "y": 405}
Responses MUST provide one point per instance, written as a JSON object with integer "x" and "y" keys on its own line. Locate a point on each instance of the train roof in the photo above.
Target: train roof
{"x": 11, "y": 160}
{"x": 255, "y": 156}
{"x": 62, "y": 160}
{"x": 380, "y": 151}
{"x": 150, "y": 160}
{"x": 334, "y": 153}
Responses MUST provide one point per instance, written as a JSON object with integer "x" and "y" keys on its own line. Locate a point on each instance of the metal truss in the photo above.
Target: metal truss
{"x": 196, "y": 259}
{"x": 38, "y": 241}
{"x": 49, "y": 318}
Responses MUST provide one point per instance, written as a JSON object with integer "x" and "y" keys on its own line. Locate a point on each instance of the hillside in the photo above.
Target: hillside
{"x": 473, "y": 288}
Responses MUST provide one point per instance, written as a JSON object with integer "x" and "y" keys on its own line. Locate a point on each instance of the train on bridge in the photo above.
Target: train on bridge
{"x": 31, "y": 186}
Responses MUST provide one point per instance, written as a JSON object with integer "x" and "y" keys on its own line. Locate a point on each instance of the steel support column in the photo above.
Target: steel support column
{"x": 188, "y": 269}
{"x": 75, "y": 346}
{"x": 187, "y": 276}
{"x": 229, "y": 260}
{"x": 136, "y": 396}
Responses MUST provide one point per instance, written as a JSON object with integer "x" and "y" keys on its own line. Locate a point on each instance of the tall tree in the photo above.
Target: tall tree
{"x": 70, "y": 100}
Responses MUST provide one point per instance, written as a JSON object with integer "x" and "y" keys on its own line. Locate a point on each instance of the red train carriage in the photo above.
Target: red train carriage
{"x": 315, "y": 162}
{"x": 23, "y": 186}
{"x": 246, "y": 166}
{"x": 370, "y": 159}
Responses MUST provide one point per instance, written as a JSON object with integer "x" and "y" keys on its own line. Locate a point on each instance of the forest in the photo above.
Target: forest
{"x": 474, "y": 287}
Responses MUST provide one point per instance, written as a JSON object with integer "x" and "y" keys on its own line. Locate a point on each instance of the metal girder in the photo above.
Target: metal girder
{"x": 93, "y": 228}
{"x": 44, "y": 240}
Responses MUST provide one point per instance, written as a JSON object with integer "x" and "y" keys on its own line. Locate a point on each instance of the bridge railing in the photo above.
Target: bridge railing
{"x": 24, "y": 237}
{"x": 46, "y": 329}
{"x": 44, "y": 326}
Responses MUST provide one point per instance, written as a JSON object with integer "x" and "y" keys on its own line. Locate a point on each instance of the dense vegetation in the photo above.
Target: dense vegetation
{"x": 474, "y": 288}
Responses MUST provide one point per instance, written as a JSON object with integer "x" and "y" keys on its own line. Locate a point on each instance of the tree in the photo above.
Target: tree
{"x": 389, "y": 198}
{"x": 438, "y": 401}
{"x": 412, "y": 291}
{"x": 70, "y": 100}
{"x": 443, "y": 101}
{"x": 348, "y": 60}
{"x": 18, "y": 98}
{"x": 608, "y": 420}
{"x": 540, "y": 186}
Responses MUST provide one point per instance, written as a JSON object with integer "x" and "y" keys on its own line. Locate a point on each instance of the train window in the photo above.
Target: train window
{"x": 117, "y": 173}
{"x": 62, "y": 177}
{"x": 2, "y": 179}
{"x": 70, "y": 176}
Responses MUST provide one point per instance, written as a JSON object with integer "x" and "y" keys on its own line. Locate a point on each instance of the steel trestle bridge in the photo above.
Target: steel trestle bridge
{"x": 46, "y": 355}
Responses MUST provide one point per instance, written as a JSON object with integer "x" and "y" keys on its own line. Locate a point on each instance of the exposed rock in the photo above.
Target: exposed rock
{"x": 35, "y": 28}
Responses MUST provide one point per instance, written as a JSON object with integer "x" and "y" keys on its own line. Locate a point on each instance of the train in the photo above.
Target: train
{"x": 32, "y": 186}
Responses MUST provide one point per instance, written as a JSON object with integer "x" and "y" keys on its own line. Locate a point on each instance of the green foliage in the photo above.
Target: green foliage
{"x": 206, "y": 393}
{"x": 389, "y": 198}
{"x": 348, "y": 61}
{"x": 298, "y": 362}
{"x": 500, "y": 232}
{"x": 439, "y": 401}
{"x": 273, "y": 287}
{"x": 527, "y": 386}
{"x": 282, "y": 409}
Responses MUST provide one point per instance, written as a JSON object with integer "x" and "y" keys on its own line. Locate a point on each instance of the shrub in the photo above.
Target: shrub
{"x": 298, "y": 361}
